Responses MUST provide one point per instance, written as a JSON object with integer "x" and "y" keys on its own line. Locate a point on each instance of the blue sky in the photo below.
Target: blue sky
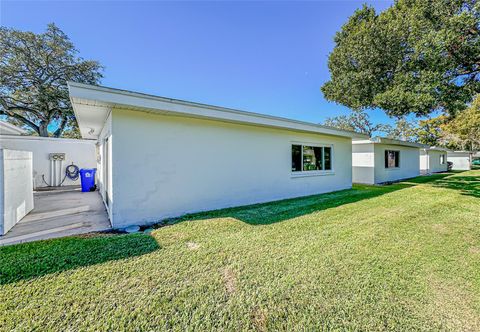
{"x": 266, "y": 57}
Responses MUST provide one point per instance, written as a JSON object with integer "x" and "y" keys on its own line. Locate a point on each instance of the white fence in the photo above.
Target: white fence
{"x": 16, "y": 190}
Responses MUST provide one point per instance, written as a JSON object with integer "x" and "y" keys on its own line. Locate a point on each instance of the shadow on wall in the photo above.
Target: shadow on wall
{"x": 36, "y": 259}
{"x": 273, "y": 212}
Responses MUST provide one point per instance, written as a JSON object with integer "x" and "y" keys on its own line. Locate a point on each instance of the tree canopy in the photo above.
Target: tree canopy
{"x": 463, "y": 132}
{"x": 404, "y": 130}
{"x": 417, "y": 57}
{"x": 358, "y": 121}
{"x": 34, "y": 71}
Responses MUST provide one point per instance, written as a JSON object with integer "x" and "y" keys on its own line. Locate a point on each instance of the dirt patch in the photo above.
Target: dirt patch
{"x": 474, "y": 250}
{"x": 452, "y": 306}
{"x": 259, "y": 319}
{"x": 440, "y": 228}
{"x": 229, "y": 280}
{"x": 193, "y": 245}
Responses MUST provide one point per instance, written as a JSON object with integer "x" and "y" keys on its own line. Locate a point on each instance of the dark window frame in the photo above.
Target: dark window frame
{"x": 326, "y": 158}
{"x": 396, "y": 158}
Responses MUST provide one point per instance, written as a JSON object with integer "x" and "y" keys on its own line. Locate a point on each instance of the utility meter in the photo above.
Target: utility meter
{"x": 57, "y": 156}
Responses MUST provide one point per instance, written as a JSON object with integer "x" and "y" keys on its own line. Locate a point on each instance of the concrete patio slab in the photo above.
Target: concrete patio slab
{"x": 60, "y": 212}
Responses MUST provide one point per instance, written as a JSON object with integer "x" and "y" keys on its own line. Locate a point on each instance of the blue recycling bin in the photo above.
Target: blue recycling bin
{"x": 87, "y": 178}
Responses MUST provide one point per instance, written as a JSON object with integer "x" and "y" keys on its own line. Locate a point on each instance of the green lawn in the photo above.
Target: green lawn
{"x": 398, "y": 257}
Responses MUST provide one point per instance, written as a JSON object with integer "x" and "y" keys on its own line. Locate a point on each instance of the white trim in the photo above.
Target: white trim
{"x": 103, "y": 97}
{"x": 53, "y": 139}
{"x": 389, "y": 141}
{"x": 9, "y": 126}
{"x": 303, "y": 173}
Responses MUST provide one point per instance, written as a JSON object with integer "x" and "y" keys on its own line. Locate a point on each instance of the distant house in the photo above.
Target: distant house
{"x": 462, "y": 160}
{"x": 160, "y": 157}
{"x": 379, "y": 160}
{"x": 433, "y": 160}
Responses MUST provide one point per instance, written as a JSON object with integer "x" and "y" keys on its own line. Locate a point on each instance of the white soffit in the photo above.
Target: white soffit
{"x": 92, "y": 104}
{"x": 389, "y": 141}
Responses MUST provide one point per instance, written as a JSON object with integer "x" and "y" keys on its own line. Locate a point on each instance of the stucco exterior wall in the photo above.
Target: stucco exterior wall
{"x": 167, "y": 166}
{"x": 461, "y": 160}
{"x": 104, "y": 165}
{"x": 430, "y": 161}
{"x": 409, "y": 163}
{"x": 363, "y": 163}
{"x": 79, "y": 152}
{"x": 16, "y": 187}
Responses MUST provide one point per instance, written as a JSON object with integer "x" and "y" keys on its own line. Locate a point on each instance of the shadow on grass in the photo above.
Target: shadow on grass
{"x": 36, "y": 259}
{"x": 277, "y": 211}
{"x": 273, "y": 212}
{"x": 467, "y": 185}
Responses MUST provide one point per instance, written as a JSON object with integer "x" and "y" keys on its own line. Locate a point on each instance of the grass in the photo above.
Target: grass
{"x": 398, "y": 257}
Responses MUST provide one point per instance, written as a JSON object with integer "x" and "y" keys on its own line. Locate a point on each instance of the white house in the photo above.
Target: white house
{"x": 379, "y": 160}
{"x": 462, "y": 160}
{"x": 433, "y": 160}
{"x": 162, "y": 157}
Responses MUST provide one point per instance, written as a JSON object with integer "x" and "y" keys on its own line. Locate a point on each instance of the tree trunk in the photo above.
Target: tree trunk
{"x": 60, "y": 128}
{"x": 43, "y": 129}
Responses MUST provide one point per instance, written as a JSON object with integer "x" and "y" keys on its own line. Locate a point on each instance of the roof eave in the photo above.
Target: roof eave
{"x": 115, "y": 98}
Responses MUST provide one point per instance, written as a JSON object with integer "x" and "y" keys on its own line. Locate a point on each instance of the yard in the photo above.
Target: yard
{"x": 398, "y": 257}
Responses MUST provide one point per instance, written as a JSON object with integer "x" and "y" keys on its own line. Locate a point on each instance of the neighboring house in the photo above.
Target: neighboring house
{"x": 10, "y": 129}
{"x": 462, "y": 160}
{"x": 162, "y": 157}
{"x": 433, "y": 160}
{"x": 379, "y": 160}
{"x": 46, "y": 171}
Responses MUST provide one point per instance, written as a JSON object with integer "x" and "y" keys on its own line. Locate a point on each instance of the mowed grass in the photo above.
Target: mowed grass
{"x": 398, "y": 257}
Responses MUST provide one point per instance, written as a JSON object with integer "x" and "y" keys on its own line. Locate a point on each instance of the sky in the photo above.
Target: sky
{"x": 267, "y": 57}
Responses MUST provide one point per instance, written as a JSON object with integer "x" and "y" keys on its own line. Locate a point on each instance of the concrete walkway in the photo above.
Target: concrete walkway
{"x": 60, "y": 212}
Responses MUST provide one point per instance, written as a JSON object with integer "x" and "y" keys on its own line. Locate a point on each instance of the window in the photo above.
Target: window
{"x": 442, "y": 159}
{"x": 392, "y": 159}
{"x": 296, "y": 158}
{"x": 311, "y": 158}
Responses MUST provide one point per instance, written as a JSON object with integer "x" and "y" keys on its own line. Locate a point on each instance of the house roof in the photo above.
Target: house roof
{"x": 10, "y": 129}
{"x": 436, "y": 148}
{"x": 92, "y": 105}
{"x": 389, "y": 141}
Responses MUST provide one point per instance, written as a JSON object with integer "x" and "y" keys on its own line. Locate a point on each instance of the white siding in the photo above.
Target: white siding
{"x": 409, "y": 163}
{"x": 166, "y": 166}
{"x": 363, "y": 163}
{"x": 16, "y": 189}
{"x": 104, "y": 165}
{"x": 461, "y": 160}
{"x": 430, "y": 161}
{"x": 424, "y": 162}
{"x": 368, "y": 163}
{"x": 79, "y": 152}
